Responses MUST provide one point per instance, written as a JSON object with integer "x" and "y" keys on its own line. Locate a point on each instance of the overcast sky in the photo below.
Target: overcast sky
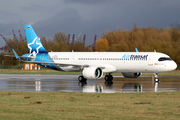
{"x": 92, "y": 17}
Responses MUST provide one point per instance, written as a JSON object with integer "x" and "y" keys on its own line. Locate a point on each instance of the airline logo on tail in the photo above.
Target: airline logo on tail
{"x": 34, "y": 44}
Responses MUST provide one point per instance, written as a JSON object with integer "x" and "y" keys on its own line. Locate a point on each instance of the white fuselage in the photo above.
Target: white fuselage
{"x": 144, "y": 62}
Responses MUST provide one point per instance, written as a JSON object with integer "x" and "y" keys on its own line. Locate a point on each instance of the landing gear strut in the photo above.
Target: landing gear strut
{"x": 108, "y": 79}
{"x": 156, "y": 79}
{"x": 82, "y": 79}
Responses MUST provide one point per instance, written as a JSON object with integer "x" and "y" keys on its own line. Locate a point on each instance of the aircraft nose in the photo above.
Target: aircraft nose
{"x": 173, "y": 65}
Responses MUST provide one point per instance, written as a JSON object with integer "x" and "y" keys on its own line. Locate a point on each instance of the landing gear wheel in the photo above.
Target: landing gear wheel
{"x": 108, "y": 79}
{"x": 156, "y": 80}
{"x": 111, "y": 77}
{"x": 82, "y": 79}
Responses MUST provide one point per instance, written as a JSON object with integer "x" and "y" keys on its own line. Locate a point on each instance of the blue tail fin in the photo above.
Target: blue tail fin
{"x": 33, "y": 42}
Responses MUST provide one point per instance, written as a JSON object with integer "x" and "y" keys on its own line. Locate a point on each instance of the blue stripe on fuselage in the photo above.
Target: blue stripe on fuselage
{"x": 42, "y": 57}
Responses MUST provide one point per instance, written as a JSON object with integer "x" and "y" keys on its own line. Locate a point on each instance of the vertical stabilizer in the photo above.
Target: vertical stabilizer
{"x": 33, "y": 42}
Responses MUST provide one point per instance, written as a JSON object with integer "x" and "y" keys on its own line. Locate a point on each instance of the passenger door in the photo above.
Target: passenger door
{"x": 150, "y": 60}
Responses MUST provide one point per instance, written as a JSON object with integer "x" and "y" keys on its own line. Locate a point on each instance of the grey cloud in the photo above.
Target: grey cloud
{"x": 73, "y": 16}
{"x": 7, "y": 13}
{"x": 92, "y": 2}
{"x": 70, "y": 22}
{"x": 60, "y": 21}
{"x": 33, "y": 9}
{"x": 6, "y": 30}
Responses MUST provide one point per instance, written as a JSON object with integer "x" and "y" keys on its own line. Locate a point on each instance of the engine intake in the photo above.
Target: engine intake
{"x": 92, "y": 73}
{"x": 131, "y": 75}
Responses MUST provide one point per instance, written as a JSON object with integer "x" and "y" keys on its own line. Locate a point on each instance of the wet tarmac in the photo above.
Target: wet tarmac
{"x": 69, "y": 83}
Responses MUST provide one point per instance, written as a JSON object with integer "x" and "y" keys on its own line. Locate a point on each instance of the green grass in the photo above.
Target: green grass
{"x": 60, "y": 105}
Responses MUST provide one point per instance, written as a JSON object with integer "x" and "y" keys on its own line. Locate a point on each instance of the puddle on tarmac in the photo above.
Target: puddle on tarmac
{"x": 70, "y": 84}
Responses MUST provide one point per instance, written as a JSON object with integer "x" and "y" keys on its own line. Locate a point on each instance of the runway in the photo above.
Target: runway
{"x": 69, "y": 83}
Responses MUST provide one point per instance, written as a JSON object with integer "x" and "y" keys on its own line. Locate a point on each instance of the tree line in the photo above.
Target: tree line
{"x": 144, "y": 39}
{"x": 59, "y": 43}
{"x": 147, "y": 39}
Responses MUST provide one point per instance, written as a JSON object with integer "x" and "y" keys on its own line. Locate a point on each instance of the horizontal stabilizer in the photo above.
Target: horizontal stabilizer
{"x": 18, "y": 57}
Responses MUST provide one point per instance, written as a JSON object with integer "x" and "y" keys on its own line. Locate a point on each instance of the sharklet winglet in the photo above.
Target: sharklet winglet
{"x": 17, "y": 57}
{"x": 136, "y": 49}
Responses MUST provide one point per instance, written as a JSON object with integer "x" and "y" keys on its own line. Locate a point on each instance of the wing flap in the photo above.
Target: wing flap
{"x": 105, "y": 67}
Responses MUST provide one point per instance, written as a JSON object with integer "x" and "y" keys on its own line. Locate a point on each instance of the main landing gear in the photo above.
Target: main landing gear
{"x": 82, "y": 79}
{"x": 108, "y": 79}
{"x": 156, "y": 79}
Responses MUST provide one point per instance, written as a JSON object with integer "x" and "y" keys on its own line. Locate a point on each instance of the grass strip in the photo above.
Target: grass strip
{"x": 61, "y": 105}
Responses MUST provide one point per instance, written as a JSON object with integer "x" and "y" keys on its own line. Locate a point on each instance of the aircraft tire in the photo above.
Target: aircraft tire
{"x": 106, "y": 77}
{"x": 82, "y": 79}
{"x": 111, "y": 77}
{"x": 156, "y": 80}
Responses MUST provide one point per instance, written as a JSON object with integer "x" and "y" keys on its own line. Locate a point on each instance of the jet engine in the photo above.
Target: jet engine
{"x": 92, "y": 73}
{"x": 131, "y": 75}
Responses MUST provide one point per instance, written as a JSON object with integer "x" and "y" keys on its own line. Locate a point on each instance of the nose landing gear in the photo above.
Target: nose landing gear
{"x": 156, "y": 79}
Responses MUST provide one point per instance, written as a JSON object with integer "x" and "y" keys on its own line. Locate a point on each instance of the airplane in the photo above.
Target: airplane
{"x": 93, "y": 65}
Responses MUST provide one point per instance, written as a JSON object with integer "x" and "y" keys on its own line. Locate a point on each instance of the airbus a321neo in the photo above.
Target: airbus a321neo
{"x": 92, "y": 65}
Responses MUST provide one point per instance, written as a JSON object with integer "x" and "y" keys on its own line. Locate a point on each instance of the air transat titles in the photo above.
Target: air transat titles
{"x": 127, "y": 56}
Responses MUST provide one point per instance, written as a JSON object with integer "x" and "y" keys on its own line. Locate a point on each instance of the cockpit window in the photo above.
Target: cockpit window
{"x": 164, "y": 59}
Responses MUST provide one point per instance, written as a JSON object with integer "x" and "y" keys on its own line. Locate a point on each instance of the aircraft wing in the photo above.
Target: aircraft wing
{"x": 49, "y": 63}
{"x": 107, "y": 68}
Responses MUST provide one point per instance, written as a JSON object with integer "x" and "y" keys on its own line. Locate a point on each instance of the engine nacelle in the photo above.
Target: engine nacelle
{"x": 131, "y": 75}
{"x": 92, "y": 73}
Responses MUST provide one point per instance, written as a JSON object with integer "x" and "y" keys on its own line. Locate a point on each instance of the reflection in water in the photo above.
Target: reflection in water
{"x": 93, "y": 88}
{"x": 82, "y": 84}
{"x": 108, "y": 84}
{"x": 156, "y": 86}
{"x": 131, "y": 87}
{"x": 70, "y": 84}
{"x": 38, "y": 85}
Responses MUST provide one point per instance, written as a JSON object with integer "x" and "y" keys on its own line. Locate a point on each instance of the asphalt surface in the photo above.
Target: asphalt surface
{"x": 69, "y": 83}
